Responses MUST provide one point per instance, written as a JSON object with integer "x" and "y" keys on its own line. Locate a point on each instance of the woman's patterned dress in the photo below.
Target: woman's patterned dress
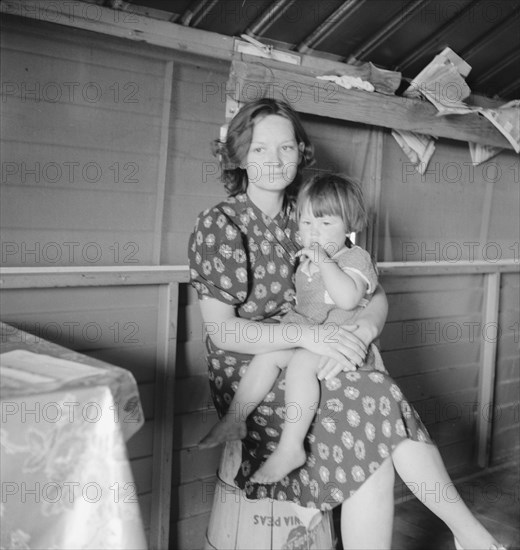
{"x": 241, "y": 257}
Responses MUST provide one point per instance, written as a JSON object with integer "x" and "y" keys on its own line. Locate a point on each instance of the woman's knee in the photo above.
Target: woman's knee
{"x": 376, "y": 491}
{"x": 384, "y": 477}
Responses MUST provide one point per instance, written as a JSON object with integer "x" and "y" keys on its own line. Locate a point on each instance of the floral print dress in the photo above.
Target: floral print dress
{"x": 242, "y": 257}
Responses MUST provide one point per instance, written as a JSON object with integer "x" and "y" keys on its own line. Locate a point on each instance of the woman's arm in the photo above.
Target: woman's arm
{"x": 368, "y": 327}
{"x": 371, "y": 319}
{"x": 232, "y": 333}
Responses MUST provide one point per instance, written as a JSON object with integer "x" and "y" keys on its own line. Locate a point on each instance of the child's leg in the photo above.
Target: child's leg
{"x": 302, "y": 394}
{"x": 254, "y": 386}
{"x": 421, "y": 467}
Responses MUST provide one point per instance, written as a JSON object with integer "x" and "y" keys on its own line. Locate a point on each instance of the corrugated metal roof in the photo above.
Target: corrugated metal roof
{"x": 400, "y": 35}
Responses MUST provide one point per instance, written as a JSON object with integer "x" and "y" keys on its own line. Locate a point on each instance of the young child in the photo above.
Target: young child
{"x": 333, "y": 281}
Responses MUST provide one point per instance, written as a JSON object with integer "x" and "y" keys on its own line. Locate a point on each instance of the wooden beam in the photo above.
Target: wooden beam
{"x": 448, "y": 268}
{"x": 384, "y": 81}
{"x": 131, "y": 26}
{"x": 486, "y": 42}
{"x": 499, "y": 66}
{"x": 193, "y": 16}
{"x": 59, "y": 277}
{"x": 323, "y": 98}
{"x": 183, "y": 40}
{"x": 387, "y": 30}
{"x": 329, "y": 25}
{"x": 485, "y": 409}
{"x": 509, "y": 88}
{"x": 268, "y": 18}
{"x": 190, "y": 12}
{"x": 434, "y": 43}
{"x": 139, "y": 10}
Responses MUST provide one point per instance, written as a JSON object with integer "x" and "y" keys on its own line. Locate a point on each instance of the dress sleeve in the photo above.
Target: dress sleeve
{"x": 218, "y": 259}
{"x": 359, "y": 261}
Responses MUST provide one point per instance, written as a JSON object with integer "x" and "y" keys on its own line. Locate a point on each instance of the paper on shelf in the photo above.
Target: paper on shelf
{"x": 507, "y": 120}
{"x": 419, "y": 148}
{"x": 442, "y": 83}
{"x": 480, "y": 153}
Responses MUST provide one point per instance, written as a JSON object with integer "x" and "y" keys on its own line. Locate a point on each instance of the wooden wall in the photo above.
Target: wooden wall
{"x": 169, "y": 142}
{"x": 434, "y": 360}
{"x": 455, "y": 211}
{"x": 81, "y": 136}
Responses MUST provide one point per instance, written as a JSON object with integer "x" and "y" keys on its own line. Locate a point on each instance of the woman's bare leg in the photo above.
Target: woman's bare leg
{"x": 302, "y": 394}
{"x": 367, "y": 516}
{"x": 254, "y": 386}
{"x": 421, "y": 467}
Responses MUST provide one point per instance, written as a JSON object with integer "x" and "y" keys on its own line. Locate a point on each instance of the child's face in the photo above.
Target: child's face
{"x": 328, "y": 231}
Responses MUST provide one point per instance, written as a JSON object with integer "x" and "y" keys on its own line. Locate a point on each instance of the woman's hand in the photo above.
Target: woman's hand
{"x": 340, "y": 344}
{"x": 360, "y": 338}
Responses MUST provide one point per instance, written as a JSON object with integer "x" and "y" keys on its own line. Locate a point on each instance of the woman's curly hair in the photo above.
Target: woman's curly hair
{"x": 233, "y": 151}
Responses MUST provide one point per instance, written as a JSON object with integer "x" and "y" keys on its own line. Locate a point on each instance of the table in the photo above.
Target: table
{"x": 66, "y": 481}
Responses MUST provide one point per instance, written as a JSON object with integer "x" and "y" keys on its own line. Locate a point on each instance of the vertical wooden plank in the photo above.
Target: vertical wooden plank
{"x": 487, "y": 367}
{"x": 163, "y": 416}
{"x": 486, "y": 214}
{"x": 372, "y": 191}
{"x": 375, "y": 203}
{"x": 163, "y": 160}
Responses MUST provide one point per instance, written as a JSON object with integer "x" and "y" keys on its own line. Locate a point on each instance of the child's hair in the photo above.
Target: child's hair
{"x": 233, "y": 151}
{"x": 334, "y": 195}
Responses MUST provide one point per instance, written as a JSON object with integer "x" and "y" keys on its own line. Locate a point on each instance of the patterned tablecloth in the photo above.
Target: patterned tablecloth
{"x": 66, "y": 480}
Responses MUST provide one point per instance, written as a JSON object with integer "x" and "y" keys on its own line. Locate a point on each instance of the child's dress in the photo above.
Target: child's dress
{"x": 315, "y": 306}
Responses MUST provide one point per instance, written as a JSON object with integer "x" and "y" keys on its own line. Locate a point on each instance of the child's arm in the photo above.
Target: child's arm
{"x": 345, "y": 289}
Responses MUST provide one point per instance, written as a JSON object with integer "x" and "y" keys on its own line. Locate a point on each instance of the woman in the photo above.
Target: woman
{"x": 242, "y": 257}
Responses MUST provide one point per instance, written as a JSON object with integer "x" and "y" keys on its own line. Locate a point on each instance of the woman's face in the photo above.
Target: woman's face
{"x": 328, "y": 231}
{"x": 273, "y": 157}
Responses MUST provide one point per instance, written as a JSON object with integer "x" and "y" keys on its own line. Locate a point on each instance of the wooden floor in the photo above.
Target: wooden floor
{"x": 492, "y": 495}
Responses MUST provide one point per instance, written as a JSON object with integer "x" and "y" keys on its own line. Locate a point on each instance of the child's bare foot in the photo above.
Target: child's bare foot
{"x": 283, "y": 461}
{"x": 227, "y": 429}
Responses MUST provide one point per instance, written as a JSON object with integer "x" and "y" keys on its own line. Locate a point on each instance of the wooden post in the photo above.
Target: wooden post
{"x": 487, "y": 367}
{"x": 163, "y": 416}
